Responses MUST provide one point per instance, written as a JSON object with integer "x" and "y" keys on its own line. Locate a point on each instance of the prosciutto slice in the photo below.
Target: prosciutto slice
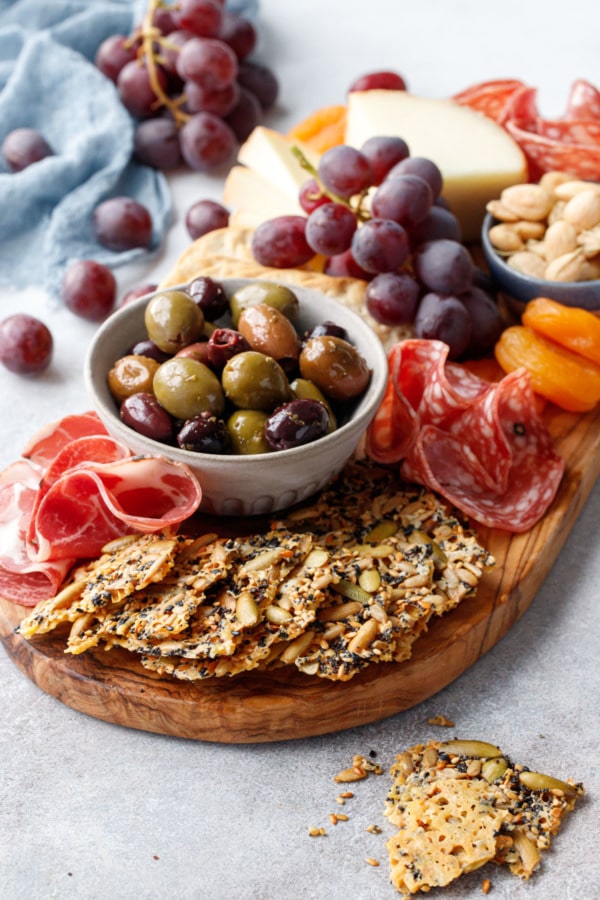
{"x": 482, "y": 446}
{"x": 77, "y": 490}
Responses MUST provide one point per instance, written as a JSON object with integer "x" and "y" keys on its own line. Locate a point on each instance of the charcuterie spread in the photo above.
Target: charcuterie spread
{"x": 373, "y": 578}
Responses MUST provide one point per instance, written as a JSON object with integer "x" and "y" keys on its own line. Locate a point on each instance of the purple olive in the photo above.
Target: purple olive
{"x": 329, "y": 329}
{"x": 204, "y": 434}
{"x": 210, "y": 297}
{"x": 144, "y": 414}
{"x": 223, "y": 344}
{"x": 296, "y": 423}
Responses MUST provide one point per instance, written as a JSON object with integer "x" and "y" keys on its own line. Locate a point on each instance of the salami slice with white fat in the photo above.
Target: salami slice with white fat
{"x": 570, "y": 144}
{"x": 480, "y": 445}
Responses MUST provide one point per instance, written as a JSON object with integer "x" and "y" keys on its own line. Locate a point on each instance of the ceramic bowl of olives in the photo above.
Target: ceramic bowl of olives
{"x": 263, "y": 390}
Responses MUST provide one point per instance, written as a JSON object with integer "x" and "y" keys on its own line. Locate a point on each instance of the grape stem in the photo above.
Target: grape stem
{"x": 356, "y": 208}
{"x": 151, "y": 36}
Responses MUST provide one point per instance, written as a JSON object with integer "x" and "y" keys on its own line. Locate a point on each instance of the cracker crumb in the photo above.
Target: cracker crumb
{"x": 313, "y": 831}
{"x": 372, "y": 861}
{"x": 442, "y": 721}
{"x": 486, "y": 886}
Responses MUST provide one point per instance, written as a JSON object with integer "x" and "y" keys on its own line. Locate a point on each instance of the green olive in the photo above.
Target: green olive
{"x": 173, "y": 320}
{"x": 186, "y": 388}
{"x": 131, "y": 375}
{"x": 267, "y": 292}
{"x": 335, "y": 366}
{"x": 306, "y": 390}
{"x": 252, "y": 380}
{"x": 269, "y": 331}
{"x": 246, "y": 429}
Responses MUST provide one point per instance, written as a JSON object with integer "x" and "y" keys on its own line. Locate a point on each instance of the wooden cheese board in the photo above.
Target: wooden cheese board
{"x": 285, "y": 705}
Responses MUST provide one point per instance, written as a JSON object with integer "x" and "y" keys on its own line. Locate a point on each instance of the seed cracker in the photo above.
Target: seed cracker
{"x": 457, "y": 807}
{"x": 131, "y": 566}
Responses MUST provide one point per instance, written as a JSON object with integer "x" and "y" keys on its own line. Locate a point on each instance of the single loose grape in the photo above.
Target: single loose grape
{"x": 25, "y": 344}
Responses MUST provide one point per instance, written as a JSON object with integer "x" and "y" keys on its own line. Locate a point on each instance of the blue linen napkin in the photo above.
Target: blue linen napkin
{"x": 48, "y": 81}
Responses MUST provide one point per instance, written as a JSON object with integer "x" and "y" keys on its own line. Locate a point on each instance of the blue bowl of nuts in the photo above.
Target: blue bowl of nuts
{"x": 543, "y": 240}
{"x": 263, "y": 390}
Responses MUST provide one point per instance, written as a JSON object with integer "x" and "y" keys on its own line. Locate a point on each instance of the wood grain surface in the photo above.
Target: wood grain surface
{"x": 283, "y": 705}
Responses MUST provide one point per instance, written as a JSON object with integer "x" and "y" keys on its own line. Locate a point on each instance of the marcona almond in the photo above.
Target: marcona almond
{"x": 529, "y": 230}
{"x": 551, "y": 181}
{"x": 568, "y": 267}
{"x": 504, "y": 238}
{"x": 528, "y": 263}
{"x": 574, "y": 186}
{"x": 560, "y": 238}
{"x": 499, "y": 211}
{"x": 583, "y": 210}
{"x": 527, "y": 201}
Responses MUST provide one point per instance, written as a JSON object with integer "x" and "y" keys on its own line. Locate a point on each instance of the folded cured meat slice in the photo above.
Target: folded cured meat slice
{"x": 88, "y": 506}
{"x": 570, "y": 144}
{"x": 484, "y": 448}
{"x": 77, "y": 490}
{"x": 46, "y": 443}
{"x": 22, "y": 579}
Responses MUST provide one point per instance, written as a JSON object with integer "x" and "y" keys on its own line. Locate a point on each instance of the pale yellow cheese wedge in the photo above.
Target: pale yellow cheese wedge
{"x": 268, "y": 154}
{"x": 252, "y": 199}
{"x": 477, "y": 157}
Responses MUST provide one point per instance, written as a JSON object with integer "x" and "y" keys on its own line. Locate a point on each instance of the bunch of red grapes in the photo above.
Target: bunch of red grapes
{"x": 377, "y": 214}
{"x": 184, "y": 74}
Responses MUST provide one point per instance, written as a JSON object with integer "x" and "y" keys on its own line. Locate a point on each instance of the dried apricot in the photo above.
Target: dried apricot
{"x": 558, "y": 374}
{"x": 571, "y": 327}
{"x": 322, "y": 129}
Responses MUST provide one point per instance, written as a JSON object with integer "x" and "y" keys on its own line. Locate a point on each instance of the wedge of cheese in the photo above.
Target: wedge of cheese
{"x": 476, "y": 156}
{"x": 252, "y": 199}
{"x": 268, "y": 179}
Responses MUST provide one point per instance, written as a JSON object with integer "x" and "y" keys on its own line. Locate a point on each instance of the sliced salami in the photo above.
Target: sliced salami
{"x": 583, "y": 101}
{"x": 490, "y": 97}
{"x": 481, "y": 445}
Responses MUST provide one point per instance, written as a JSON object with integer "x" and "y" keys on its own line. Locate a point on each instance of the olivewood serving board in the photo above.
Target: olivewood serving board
{"x": 283, "y": 705}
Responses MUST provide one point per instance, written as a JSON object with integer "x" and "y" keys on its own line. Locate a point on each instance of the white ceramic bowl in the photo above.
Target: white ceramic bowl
{"x": 258, "y": 483}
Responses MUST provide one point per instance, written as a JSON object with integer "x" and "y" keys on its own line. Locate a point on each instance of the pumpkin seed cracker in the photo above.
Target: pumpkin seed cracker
{"x": 460, "y": 804}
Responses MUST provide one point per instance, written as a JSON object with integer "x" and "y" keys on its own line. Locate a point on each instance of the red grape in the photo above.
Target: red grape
{"x": 345, "y": 266}
{"x": 170, "y": 48}
{"x": 444, "y": 266}
{"x": 486, "y": 321}
{"x": 89, "y": 289}
{"x": 384, "y": 153}
{"x": 203, "y": 17}
{"x": 424, "y": 168}
{"x": 25, "y": 344}
{"x": 24, "y": 146}
{"x": 405, "y": 199}
{"x": 208, "y": 62}
{"x": 218, "y": 102}
{"x": 444, "y": 318}
{"x": 281, "y": 243}
{"x": 156, "y": 144}
{"x": 380, "y": 245}
{"x": 345, "y": 171}
{"x": 136, "y": 293}
{"x": 207, "y": 143}
{"x": 329, "y": 229}
{"x": 310, "y": 196}
{"x": 392, "y": 298}
{"x": 245, "y": 115}
{"x": 136, "y": 91}
{"x": 260, "y": 80}
{"x": 438, "y": 223}
{"x": 238, "y": 33}
{"x": 378, "y": 81}
{"x": 114, "y": 53}
{"x": 205, "y": 216}
{"x": 122, "y": 224}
